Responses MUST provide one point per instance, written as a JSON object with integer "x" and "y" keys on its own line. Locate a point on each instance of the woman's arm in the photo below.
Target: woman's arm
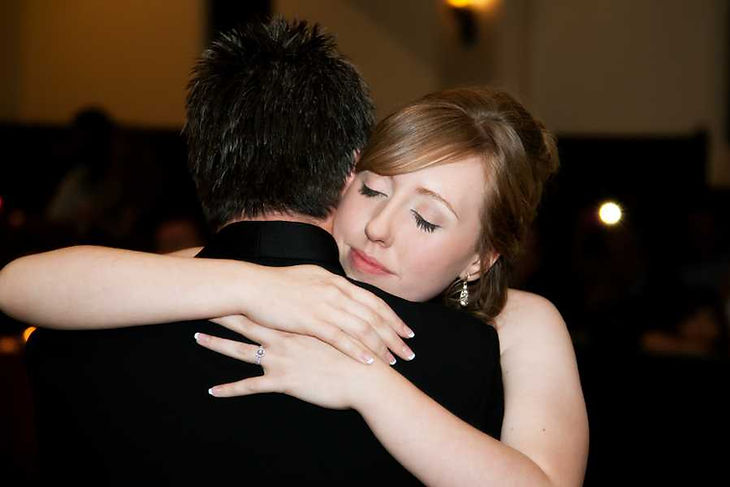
{"x": 98, "y": 287}
{"x": 544, "y": 438}
{"x": 545, "y": 413}
{"x": 545, "y": 431}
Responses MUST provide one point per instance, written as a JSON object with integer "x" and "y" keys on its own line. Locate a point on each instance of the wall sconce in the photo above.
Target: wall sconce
{"x": 463, "y": 11}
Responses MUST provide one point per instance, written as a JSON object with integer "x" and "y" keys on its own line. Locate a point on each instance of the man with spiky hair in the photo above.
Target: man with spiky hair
{"x": 275, "y": 118}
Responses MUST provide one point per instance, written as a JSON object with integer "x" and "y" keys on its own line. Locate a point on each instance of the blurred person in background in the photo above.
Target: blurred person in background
{"x": 691, "y": 301}
{"x": 177, "y": 233}
{"x": 694, "y": 326}
{"x": 92, "y": 186}
{"x": 102, "y": 196}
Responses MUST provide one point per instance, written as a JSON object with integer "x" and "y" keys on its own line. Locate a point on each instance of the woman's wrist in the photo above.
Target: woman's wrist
{"x": 373, "y": 384}
{"x": 200, "y": 288}
{"x": 253, "y": 289}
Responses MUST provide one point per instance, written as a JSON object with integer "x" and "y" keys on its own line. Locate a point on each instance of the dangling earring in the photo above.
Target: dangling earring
{"x": 464, "y": 294}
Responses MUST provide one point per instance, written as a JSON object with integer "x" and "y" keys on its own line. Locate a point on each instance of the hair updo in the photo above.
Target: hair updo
{"x": 519, "y": 155}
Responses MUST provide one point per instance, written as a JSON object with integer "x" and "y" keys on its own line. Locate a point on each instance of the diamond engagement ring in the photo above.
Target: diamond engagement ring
{"x": 260, "y": 354}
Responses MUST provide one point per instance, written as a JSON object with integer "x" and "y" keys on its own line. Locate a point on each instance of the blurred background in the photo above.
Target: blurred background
{"x": 631, "y": 242}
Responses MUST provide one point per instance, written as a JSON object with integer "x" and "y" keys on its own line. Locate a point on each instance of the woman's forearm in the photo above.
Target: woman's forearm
{"x": 545, "y": 429}
{"x": 436, "y": 446}
{"x": 97, "y": 287}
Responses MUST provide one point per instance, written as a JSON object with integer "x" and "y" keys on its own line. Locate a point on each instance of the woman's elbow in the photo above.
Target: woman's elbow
{"x": 7, "y": 289}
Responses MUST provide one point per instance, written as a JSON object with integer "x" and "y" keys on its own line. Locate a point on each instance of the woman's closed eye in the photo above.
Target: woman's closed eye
{"x": 369, "y": 192}
{"x": 424, "y": 224}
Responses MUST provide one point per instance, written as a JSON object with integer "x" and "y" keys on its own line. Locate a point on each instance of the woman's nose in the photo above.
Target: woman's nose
{"x": 378, "y": 229}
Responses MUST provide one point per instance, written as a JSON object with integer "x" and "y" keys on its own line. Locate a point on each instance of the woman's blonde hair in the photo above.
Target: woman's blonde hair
{"x": 519, "y": 155}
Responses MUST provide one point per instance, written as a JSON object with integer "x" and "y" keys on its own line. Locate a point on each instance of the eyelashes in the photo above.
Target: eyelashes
{"x": 369, "y": 192}
{"x": 424, "y": 224}
{"x": 421, "y": 222}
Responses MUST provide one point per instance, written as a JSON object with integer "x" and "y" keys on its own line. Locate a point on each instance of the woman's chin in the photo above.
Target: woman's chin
{"x": 379, "y": 281}
{"x": 385, "y": 281}
{"x": 387, "y": 285}
{"x": 376, "y": 281}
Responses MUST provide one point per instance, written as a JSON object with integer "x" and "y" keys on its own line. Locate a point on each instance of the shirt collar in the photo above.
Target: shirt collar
{"x": 275, "y": 243}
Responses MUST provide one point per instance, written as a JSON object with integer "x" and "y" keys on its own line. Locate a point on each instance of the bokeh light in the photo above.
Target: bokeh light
{"x": 469, "y": 3}
{"x": 28, "y": 332}
{"x": 610, "y": 213}
{"x": 9, "y": 345}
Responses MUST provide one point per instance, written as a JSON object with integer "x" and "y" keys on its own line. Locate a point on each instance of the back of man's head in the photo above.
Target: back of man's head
{"x": 274, "y": 116}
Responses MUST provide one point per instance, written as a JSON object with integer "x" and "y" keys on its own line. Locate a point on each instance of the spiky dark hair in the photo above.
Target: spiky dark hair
{"x": 274, "y": 115}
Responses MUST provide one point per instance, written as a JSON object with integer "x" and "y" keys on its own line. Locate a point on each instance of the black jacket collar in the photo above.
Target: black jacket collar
{"x": 275, "y": 243}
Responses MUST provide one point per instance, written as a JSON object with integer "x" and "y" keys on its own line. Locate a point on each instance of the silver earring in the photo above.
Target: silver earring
{"x": 464, "y": 294}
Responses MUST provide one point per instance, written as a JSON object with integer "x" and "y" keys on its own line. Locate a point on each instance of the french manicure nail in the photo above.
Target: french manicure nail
{"x": 367, "y": 359}
{"x": 409, "y": 353}
{"x": 393, "y": 361}
{"x": 410, "y": 333}
{"x": 211, "y": 392}
{"x": 197, "y": 336}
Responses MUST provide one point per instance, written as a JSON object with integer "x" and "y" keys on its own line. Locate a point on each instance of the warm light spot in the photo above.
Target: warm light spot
{"x": 610, "y": 213}
{"x": 9, "y": 345}
{"x": 1, "y": 203}
{"x": 469, "y": 3}
{"x": 28, "y": 332}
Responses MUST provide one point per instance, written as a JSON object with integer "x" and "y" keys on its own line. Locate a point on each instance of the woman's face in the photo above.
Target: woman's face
{"x": 412, "y": 234}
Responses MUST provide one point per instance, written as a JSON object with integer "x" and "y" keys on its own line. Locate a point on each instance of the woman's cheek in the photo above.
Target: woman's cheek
{"x": 345, "y": 221}
{"x": 351, "y": 211}
{"x": 424, "y": 276}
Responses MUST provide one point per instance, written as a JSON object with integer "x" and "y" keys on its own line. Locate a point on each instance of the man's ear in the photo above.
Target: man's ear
{"x": 351, "y": 176}
{"x": 348, "y": 182}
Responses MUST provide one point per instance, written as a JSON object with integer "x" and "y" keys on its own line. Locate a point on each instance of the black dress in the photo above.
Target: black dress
{"x": 131, "y": 405}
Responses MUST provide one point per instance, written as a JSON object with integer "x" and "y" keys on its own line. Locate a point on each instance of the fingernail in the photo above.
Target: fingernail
{"x": 409, "y": 353}
{"x": 211, "y": 391}
{"x": 392, "y": 360}
{"x": 410, "y": 332}
{"x": 197, "y": 336}
{"x": 200, "y": 337}
{"x": 368, "y": 359}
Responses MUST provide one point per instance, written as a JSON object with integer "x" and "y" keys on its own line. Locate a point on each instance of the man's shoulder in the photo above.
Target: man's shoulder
{"x": 434, "y": 317}
{"x": 134, "y": 344}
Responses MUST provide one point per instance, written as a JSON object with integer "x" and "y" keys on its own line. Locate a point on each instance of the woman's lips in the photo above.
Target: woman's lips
{"x": 364, "y": 263}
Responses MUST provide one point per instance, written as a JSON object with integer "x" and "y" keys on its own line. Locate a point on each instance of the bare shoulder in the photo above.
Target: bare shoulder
{"x": 530, "y": 320}
{"x": 545, "y": 415}
{"x": 522, "y": 304}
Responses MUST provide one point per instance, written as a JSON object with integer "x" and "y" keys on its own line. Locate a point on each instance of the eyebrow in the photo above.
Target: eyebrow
{"x": 433, "y": 194}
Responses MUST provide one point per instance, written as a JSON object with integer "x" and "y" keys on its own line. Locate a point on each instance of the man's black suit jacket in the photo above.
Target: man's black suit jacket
{"x": 131, "y": 405}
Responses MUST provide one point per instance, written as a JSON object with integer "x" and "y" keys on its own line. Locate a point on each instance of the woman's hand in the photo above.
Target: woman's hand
{"x": 297, "y": 365}
{"x": 309, "y": 300}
